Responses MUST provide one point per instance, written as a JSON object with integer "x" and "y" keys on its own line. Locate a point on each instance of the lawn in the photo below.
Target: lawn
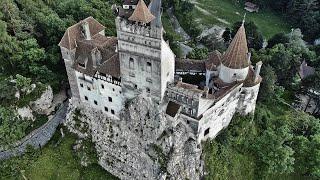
{"x": 54, "y": 161}
{"x": 226, "y": 12}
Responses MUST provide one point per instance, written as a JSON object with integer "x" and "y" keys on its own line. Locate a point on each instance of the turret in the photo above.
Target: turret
{"x": 236, "y": 60}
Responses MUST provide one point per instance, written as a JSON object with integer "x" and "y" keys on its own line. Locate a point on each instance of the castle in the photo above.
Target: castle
{"x": 107, "y": 72}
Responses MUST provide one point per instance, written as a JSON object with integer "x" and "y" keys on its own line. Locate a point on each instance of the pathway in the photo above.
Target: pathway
{"x": 39, "y": 137}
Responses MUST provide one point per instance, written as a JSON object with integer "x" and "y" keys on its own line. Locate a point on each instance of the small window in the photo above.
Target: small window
{"x": 148, "y": 90}
{"x": 112, "y": 111}
{"x": 95, "y": 102}
{"x": 168, "y": 74}
{"x": 206, "y": 132}
{"x": 113, "y": 89}
{"x": 110, "y": 99}
{"x": 106, "y": 109}
{"x": 89, "y": 89}
{"x": 102, "y": 86}
{"x": 86, "y": 98}
{"x": 81, "y": 85}
{"x": 131, "y": 63}
{"x": 136, "y": 86}
{"x": 120, "y": 92}
{"x": 149, "y": 67}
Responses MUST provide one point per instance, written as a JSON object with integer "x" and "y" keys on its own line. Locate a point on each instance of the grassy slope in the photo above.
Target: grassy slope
{"x": 268, "y": 22}
{"x": 60, "y": 162}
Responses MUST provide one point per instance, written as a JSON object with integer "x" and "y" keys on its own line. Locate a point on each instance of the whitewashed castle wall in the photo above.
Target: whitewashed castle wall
{"x": 68, "y": 57}
{"x": 100, "y": 94}
{"x": 229, "y": 75}
{"x": 247, "y": 100}
{"x": 218, "y": 116}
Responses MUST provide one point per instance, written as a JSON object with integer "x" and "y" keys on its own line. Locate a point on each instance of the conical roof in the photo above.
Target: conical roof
{"x": 236, "y": 56}
{"x": 141, "y": 13}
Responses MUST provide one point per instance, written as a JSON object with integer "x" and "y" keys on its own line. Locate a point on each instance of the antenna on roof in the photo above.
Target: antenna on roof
{"x": 244, "y": 19}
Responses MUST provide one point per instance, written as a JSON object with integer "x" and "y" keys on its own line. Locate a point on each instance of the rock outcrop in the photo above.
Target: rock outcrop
{"x": 42, "y": 104}
{"x": 142, "y": 144}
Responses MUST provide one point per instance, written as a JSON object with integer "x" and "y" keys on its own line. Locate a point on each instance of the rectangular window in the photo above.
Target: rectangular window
{"x": 148, "y": 90}
{"x": 86, "y": 98}
{"x": 89, "y": 89}
{"x": 149, "y": 67}
{"x": 95, "y": 102}
{"x": 206, "y": 132}
{"x": 110, "y": 99}
{"x": 136, "y": 86}
{"x": 112, "y": 111}
{"x": 102, "y": 86}
{"x": 81, "y": 85}
{"x": 106, "y": 109}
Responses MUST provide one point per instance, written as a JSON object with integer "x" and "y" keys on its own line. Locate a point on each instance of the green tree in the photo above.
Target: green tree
{"x": 279, "y": 38}
{"x": 254, "y": 36}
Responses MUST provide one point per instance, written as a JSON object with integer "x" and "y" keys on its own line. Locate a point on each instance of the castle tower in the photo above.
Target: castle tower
{"x": 146, "y": 60}
{"x": 236, "y": 60}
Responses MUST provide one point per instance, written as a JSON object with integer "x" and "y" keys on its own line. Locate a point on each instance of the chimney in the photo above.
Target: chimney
{"x": 257, "y": 70}
{"x": 206, "y": 91}
{"x": 85, "y": 30}
{"x": 96, "y": 57}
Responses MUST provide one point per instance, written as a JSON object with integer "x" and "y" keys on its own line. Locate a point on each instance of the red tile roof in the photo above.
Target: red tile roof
{"x": 142, "y": 13}
{"x": 236, "y": 55}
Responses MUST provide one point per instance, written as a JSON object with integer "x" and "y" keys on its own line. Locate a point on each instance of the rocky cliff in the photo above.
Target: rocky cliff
{"x": 142, "y": 144}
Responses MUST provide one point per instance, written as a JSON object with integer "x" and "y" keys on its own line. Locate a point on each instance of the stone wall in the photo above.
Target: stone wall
{"x": 143, "y": 144}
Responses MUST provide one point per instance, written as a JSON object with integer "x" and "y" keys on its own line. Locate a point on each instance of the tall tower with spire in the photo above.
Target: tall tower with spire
{"x": 146, "y": 60}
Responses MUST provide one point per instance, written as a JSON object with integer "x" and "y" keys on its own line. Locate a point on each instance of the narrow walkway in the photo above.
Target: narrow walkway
{"x": 39, "y": 137}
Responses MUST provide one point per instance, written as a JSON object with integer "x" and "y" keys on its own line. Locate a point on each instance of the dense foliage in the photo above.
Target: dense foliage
{"x": 304, "y": 14}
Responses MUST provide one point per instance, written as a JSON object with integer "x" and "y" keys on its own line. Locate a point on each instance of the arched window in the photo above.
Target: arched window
{"x": 131, "y": 63}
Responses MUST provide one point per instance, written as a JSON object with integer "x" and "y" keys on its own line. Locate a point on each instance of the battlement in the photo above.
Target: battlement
{"x": 147, "y": 30}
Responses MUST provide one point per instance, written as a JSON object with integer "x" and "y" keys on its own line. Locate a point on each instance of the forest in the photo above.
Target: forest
{"x": 277, "y": 142}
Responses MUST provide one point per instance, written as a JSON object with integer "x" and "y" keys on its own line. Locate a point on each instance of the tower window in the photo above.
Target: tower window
{"x": 106, "y": 109}
{"x": 148, "y": 90}
{"x": 110, "y": 99}
{"x": 89, "y": 89}
{"x": 206, "y": 132}
{"x": 102, "y": 86}
{"x": 86, "y": 98}
{"x": 81, "y": 85}
{"x": 113, "y": 89}
{"x": 136, "y": 86}
{"x": 95, "y": 102}
{"x": 131, "y": 63}
{"x": 112, "y": 111}
{"x": 148, "y": 66}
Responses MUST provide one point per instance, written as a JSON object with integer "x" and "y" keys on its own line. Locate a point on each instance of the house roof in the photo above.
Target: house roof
{"x": 110, "y": 61}
{"x": 142, "y": 13}
{"x": 190, "y": 64}
{"x": 214, "y": 60}
{"x": 130, "y": 2}
{"x": 251, "y": 5}
{"x": 74, "y": 34}
{"x": 172, "y": 109}
{"x": 305, "y": 70}
{"x": 236, "y": 55}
